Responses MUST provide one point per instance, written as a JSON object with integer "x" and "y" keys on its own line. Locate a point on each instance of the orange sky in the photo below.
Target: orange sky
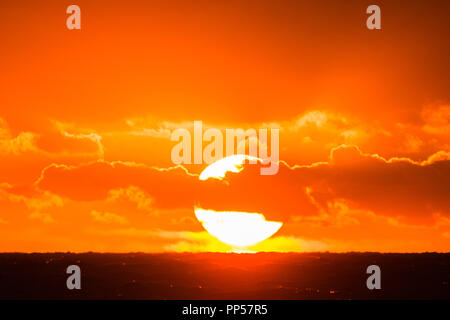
{"x": 86, "y": 116}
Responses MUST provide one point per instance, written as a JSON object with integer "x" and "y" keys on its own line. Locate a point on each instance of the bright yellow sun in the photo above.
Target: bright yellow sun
{"x": 236, "y": 228}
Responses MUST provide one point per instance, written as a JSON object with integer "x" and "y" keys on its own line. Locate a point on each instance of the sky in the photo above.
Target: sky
{"x": 86, "y": 118}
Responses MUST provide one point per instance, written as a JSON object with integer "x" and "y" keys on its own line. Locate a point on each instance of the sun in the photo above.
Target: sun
{"x": 235, "y": 228}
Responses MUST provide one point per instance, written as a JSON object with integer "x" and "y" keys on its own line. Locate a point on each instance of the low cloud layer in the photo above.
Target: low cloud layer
{"x": 395, "y": 187}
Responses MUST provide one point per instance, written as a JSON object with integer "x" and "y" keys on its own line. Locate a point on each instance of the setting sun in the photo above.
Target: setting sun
{"x": 238, "y": 229}
{"x": 235, "y": 228}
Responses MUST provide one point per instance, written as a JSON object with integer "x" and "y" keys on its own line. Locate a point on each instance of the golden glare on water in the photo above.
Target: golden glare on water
{"x": 235, "y": 228}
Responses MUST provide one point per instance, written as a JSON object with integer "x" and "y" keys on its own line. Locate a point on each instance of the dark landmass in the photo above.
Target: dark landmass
{"x": 224, "y": 276}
